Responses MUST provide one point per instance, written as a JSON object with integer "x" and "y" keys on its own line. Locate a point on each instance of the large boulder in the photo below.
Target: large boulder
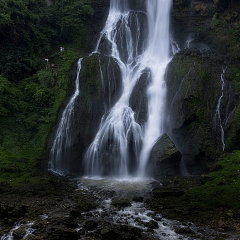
{"x": 100, "y": 87}
{"x": 203, "y": 81}
{"x": 165, "y": 158}
{"x": 200, "y": 105}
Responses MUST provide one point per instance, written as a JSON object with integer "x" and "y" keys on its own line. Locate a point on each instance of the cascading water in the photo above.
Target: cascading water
{"x": 217, "y": 118}
{"x": 63, "y": 142}
{"x": 156, "y": 58}
{"x": 110, "y": 152}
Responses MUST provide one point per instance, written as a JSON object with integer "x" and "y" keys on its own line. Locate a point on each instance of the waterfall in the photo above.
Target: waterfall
{"x": 217, "y": 118}
{"x": 63, "y": 142}
{"x": 121, "y": 147}
{"x": 156, "y": 58}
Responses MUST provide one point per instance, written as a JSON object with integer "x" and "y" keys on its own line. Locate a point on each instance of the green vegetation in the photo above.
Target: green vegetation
{"x": 31, "y": 91}
{"x": 30, "y": 29}
{"x": 232, "y": 141}
{"x": 223, "y": 188}
{"x": 28, "y": 112}
{"x": 228, "y": 33}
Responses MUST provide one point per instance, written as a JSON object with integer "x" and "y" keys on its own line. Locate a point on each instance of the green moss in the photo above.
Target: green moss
{"x": 232, "y": 141}
{"x": 226, "y": 36}
{"x": 233, "y": 75}
{"x": 224, "y": 188}
{"x": 92, "y": 85}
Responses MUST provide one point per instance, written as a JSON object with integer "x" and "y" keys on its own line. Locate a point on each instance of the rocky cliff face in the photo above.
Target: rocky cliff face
{"x": 100, "y": 87}
{"x": 206, "y": 24}
{"x": 203, "y": 80}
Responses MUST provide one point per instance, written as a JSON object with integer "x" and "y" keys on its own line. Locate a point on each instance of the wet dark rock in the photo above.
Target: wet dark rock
{"x": 86, "y": 204}
{"x": 165, "y": 158}
{"x": 151, "y": 224}
{"x": 90, "y": 224}
{"x": 155, "y": 184}
{"x": 157, "y": 218}
{"x": 71, "y": 222}
{"x": 70, "y": 234}
{"x": 110, "y": 231}
{"x": 205, "y": 178}
{"x": 121, "y": 202}
{"x": 123, "y": 232}
{"x": 76, "y": 213}
{"x": 105, "y": 46}
{"x": 138, "y": 199}
{"x": 184, "y": 230}
{"x": 191, "y": 105}
{"x": 96, "y": 98}
{"x": 138, "y": 100}
{"x": 167, "y": 192}
{"x": 105, "y": 228}
{"x": 12, "y": 210}
{"x": 20, "y": 232}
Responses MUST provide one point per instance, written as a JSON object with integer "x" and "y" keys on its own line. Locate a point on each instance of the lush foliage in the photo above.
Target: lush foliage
{"x": 31, "y": 91}
{"x": 223, "y": 189}
{"x": 30, "y": 28}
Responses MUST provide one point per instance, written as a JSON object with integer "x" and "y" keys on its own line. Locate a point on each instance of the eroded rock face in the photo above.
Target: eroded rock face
{"x": 139, "y": 100}
{"x": 194, "y": 89}
{"x": 202, "y": 78}
{"x": 165, "y": 158}
{"x": 100, "y": 87}
{"x": 200, "y": 24}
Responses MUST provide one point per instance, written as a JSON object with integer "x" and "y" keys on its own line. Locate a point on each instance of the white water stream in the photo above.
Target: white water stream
{"x": 217, "y": 118}
{"x": 137, "y": 215}
{"x": 109, "y": 152}
{"x": 28, "y": 231}
{"x": 63, "y": 141}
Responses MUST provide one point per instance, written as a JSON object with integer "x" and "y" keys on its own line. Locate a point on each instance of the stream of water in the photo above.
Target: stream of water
{"x": 134, "y": 55}
{"x": 62, "y": 143}
{"x": 137, "y": 215}
{"x": 217, "y": 118}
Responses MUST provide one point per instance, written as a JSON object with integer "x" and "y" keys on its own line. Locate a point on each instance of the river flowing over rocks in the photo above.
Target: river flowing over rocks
{"x": 96, "y": 209}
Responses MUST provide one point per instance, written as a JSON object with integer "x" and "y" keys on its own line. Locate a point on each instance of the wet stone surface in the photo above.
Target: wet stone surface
{"x": 92, "y": 209}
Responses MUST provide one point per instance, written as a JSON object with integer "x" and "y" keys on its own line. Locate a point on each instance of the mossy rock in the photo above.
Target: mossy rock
{"x": 194, "y": 89}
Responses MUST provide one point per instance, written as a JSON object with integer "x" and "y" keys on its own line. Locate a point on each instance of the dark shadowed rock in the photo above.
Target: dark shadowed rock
{"x": 151, "y": 224}
{"x": 167, "y": 192}
{"x": 20, "y": 232}
{"x": 100, "y": 88}
{"x": 137, "y": 199}
{"x": 90, "y": 224}
{"x": 139, "y": 100}
{"x": 194, "y": 89}
{"x": 205, "y": 178}
{"x": 121, "y": 202}
{"x": 165, "y": 158}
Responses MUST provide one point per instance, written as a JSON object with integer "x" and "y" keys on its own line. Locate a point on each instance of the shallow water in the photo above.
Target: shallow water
{"x": 105, "y": 190}
{"x": 138, "y": 215}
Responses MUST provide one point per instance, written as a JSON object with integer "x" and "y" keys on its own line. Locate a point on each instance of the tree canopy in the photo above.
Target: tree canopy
{"x": 30, "y": 28}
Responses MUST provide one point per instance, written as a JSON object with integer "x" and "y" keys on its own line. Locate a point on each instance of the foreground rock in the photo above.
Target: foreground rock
{"x": 165, "y": 158}
{"x": 173, "y": 201}
{"x": 57, "y": 209}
